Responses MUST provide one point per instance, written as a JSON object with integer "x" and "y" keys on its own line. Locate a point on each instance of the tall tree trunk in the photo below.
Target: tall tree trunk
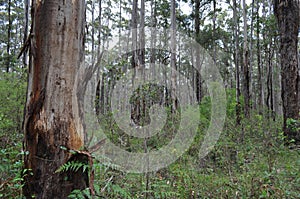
{"x": 259, "y": 71}
{"x": 198, "y": 64}
{"x": 153, "y": 37}
{"x": 214, "y": 30}
{"x": 142, "y": 102}
{"x": 93, "y": 33}
{"x": 9, "y": 28}
{"x": 25, "y": 34}
{"x": 142, "y": 38}
{"x": 251, "y": 85}
{"x": 287, "y": 14}
{"x": 263, "y": 55}
{"x": 236, "y": 60}
{"x": 52, "y": 114}
{"x": 246, "y": 79}
{"x": 173, "y": 56}
{"x": 99, "y": 27}
{"x": 270, "y": 73}
{"x": 134, "y": 60}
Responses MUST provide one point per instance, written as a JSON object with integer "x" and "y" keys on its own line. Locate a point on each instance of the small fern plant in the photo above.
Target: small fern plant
{"x": 72, "y": 166}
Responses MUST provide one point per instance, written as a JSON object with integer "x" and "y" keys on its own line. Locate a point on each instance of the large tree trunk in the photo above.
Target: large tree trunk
{"x": 52, "y": 109}
{"x": 287, "y": 14}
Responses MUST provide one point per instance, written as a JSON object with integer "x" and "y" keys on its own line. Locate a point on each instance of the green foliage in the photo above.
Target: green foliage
{"x": 11, "y": 172}
{"x": 12, "y": 99}
{"x": 73, "y": 166}
{"x": 293, "y": 124}
{"x": 249, "y": 161}
{"x": 80, "y": 194}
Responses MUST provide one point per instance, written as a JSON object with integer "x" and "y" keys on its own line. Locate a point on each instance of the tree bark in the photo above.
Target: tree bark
{"x": 259, "y": 70}
{"x": 134, "y": 59}
{"x": 198, "y": 64}
{"x": 236, "y": 60}
{"x": 173, "y": 56}
{"x": 153, "y": 37}
{"x": 214, "y": 30}
{"x": 52, "y": 112}
{"x": 287, "y": 14}
{"x": 99, "y": 26}
{"x": 26, "y": 25}
{"x": 9, "y": 28}
{"x": 251, "y": 86}
{"x": 270, "y": 74}
{"x": 246, "y": 79}
{"x": 142, "y": 38}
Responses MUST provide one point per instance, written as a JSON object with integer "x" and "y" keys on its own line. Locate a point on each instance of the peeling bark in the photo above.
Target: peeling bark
{"x": 52, "y": 113}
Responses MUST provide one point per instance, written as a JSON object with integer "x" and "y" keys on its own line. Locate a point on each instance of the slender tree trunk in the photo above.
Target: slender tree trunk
{"x": 100, "y": 27}
{"x": 153, "y": 37}
{"x": 270, "y": 100}
{"x": 214, "y": 30}
{"x": 259, "y": 71}
{"x": 93, "y": 33}
{"x": 263, "y": 55}
{"x": 236, "y": 57}
{"x": 52, "y": 115}
{"x": 142, "y": 38}
{"x": 120, "y": 30}
{"x": 9, "y": 28}
{"x": 142, "y": 103}
{"x": 251, "y": 85}
{"x": 198, "y": 64}
{"x": 246, "y": 79}
{"x": 26, "y": 24}
{"x": 134, "y": 60}
{"x": 173, "y": 56}
{"x": 287, "y": 14}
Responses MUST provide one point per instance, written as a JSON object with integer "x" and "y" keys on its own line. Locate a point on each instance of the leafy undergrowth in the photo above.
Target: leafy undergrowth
{"x": 257, "y": 166}
{"x": 12, "y": 99}
{"x": 248, "y": 161}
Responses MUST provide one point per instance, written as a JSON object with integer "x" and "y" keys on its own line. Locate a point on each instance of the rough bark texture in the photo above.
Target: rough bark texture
{"x": 52, "y": 110}
{"x": 287, "y": 14}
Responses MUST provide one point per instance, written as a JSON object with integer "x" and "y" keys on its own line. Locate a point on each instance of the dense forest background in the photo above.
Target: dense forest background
{"x": 256, "y": 155}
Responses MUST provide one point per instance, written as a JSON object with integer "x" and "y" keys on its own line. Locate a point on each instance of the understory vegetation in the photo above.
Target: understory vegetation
{"x": 249, "y": 161}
